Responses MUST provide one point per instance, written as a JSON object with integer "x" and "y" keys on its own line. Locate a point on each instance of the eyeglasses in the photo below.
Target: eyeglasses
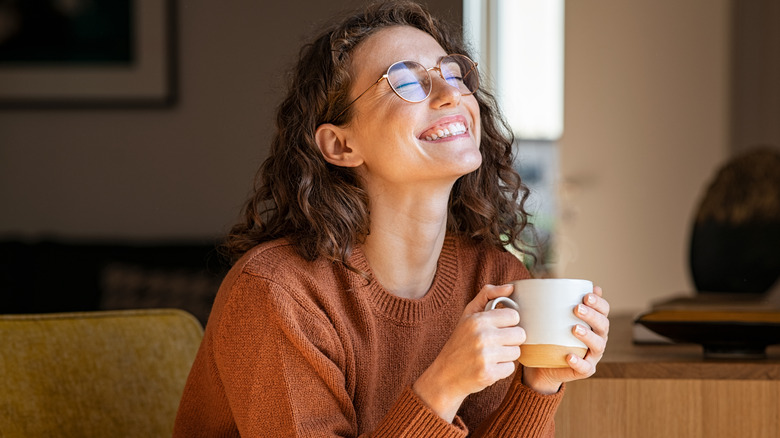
{"x": 412, "y": 82}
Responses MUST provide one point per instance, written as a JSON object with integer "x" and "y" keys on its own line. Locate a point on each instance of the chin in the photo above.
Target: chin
{"x": 470, "y": 164}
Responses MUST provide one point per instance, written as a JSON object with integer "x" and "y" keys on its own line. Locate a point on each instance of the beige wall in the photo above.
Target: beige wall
{"x": 646, "y": 124}
{"x": 173, "y": 173}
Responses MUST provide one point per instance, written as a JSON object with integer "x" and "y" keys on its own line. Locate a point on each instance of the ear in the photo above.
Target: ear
{"x": 333, "y": 144}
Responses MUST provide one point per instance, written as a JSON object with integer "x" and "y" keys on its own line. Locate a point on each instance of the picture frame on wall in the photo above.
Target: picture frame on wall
{"x": 87, "y": 53}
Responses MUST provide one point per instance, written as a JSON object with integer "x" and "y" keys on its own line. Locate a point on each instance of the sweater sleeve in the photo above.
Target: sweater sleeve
{"x": 285, "y": 371}
{"x": 523, "y": 412}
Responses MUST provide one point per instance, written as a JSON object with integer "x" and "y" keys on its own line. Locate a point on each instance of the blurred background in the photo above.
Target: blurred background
{"x": 657, "y": 95}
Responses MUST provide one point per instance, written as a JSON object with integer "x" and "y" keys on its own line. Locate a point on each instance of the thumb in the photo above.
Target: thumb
{"x": 487, "y": 293}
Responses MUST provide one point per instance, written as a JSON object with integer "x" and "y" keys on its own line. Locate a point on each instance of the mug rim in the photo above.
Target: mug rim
{"x": 553, "y": 279}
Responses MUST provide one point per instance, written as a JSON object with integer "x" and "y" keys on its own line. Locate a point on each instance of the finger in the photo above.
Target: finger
{"x": 597, "y": 321}
{"x": 491, "y": 292}
{"x": 510, "y": 336}
{"x": 581, "y": 366}
{"x": 504, "y": 369}
{"x": 597, "y": 290}
{"x": 595, "y": 343}
{"x": 503, "y": 317}
{"x": 507, "y": 354}
{"x": 597, "y": 302}
{"x": 494, "y": 371}
{"x": 487, "y": 293}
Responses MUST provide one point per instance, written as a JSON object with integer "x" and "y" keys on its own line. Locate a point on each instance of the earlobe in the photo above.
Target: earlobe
{"x": 332, "y": 142}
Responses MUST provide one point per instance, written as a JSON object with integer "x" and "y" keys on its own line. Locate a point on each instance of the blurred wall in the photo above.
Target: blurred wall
{"x": 177, "y": 173}
{"x": 646, "y": 125}
{"x": 755, "y": 73}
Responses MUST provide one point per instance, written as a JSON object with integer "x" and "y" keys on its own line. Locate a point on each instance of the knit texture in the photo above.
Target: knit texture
{"x": 298, "y": 348}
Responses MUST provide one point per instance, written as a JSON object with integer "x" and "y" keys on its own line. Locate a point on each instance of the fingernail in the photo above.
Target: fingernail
{"x": 573, "y": 359}
{"x": 580, "y": 330}
{"x": 582, "y": 310}
{"x": 591, "y": 299}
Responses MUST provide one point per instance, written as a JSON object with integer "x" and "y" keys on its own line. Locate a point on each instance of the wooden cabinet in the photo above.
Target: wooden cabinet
{"x": 671, "y": 391}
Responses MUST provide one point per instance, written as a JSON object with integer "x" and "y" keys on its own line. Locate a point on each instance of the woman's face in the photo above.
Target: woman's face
{"x": 394, "y": 138}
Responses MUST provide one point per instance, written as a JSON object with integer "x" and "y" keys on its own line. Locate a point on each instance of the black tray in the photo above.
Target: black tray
{"x": 723, "y": 334}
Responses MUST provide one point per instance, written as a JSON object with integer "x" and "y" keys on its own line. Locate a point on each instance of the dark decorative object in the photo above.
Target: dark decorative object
{"x": 727, "y": 326}
{"x": 735, "y": 262}
{"x": 722, "y": 340}
{"x": 735, "y": 244}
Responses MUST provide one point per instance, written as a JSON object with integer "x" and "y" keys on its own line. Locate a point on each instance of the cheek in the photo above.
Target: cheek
{"x": 473, "y": 108}
{"x": 385, "y": 138}
{"x": 478, "y": 132}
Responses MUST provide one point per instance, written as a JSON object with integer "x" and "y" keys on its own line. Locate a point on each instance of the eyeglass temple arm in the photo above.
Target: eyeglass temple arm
{"x": 384, "y": 76}
{"x": 471, "y": 70}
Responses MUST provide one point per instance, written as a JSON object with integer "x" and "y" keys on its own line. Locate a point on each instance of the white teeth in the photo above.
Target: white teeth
{"x": 456, "y": 128}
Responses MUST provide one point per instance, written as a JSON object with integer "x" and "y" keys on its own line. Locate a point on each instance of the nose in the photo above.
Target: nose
{"x": 442, "y": 93}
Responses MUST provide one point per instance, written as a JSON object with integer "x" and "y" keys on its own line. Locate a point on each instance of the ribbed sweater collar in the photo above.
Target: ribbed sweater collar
{"x": 405, "y": 310}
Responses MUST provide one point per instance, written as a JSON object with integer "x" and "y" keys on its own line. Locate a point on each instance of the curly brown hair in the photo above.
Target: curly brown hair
{"x": 322, "y": 208}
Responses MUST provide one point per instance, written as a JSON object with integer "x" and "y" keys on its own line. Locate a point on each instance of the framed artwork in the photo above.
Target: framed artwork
{"x": 87, "y": 53}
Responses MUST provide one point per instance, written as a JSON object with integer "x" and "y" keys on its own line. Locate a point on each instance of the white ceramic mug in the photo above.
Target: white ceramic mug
{"x": 546, "y": 307}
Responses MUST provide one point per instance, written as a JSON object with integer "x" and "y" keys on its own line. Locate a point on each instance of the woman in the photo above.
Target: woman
{"x": 368, "y": 251}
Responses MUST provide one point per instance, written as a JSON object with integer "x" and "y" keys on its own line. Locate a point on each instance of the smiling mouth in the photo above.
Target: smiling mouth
{"x": 444, "y": 131}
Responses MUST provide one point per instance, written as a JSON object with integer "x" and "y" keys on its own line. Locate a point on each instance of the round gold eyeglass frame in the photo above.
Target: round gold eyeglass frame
{"x": 471, "y": 70}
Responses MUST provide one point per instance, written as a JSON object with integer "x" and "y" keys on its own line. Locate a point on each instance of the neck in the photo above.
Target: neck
{"x": 406, "y": 239}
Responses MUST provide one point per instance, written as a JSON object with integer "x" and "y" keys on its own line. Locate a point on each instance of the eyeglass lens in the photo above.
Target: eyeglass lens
{"x": 412, "y": 81}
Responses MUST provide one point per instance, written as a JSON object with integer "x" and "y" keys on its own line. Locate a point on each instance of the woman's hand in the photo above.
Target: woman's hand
{"x": 594, "y": 311}
{"x": 482, "y": 350}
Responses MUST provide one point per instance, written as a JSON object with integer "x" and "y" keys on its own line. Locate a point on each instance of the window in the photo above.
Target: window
{"x": 519, "y": 47}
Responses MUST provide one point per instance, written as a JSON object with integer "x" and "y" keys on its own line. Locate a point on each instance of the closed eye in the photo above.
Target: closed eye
{"x": 406, "y": 85}
{"x": 454, "y": 79}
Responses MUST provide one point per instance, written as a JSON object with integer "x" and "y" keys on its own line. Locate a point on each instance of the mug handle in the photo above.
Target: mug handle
{"x": 504, "y": 300}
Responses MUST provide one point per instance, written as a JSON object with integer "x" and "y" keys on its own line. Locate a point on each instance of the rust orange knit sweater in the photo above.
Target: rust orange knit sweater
{"x": 298, "y": 348}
